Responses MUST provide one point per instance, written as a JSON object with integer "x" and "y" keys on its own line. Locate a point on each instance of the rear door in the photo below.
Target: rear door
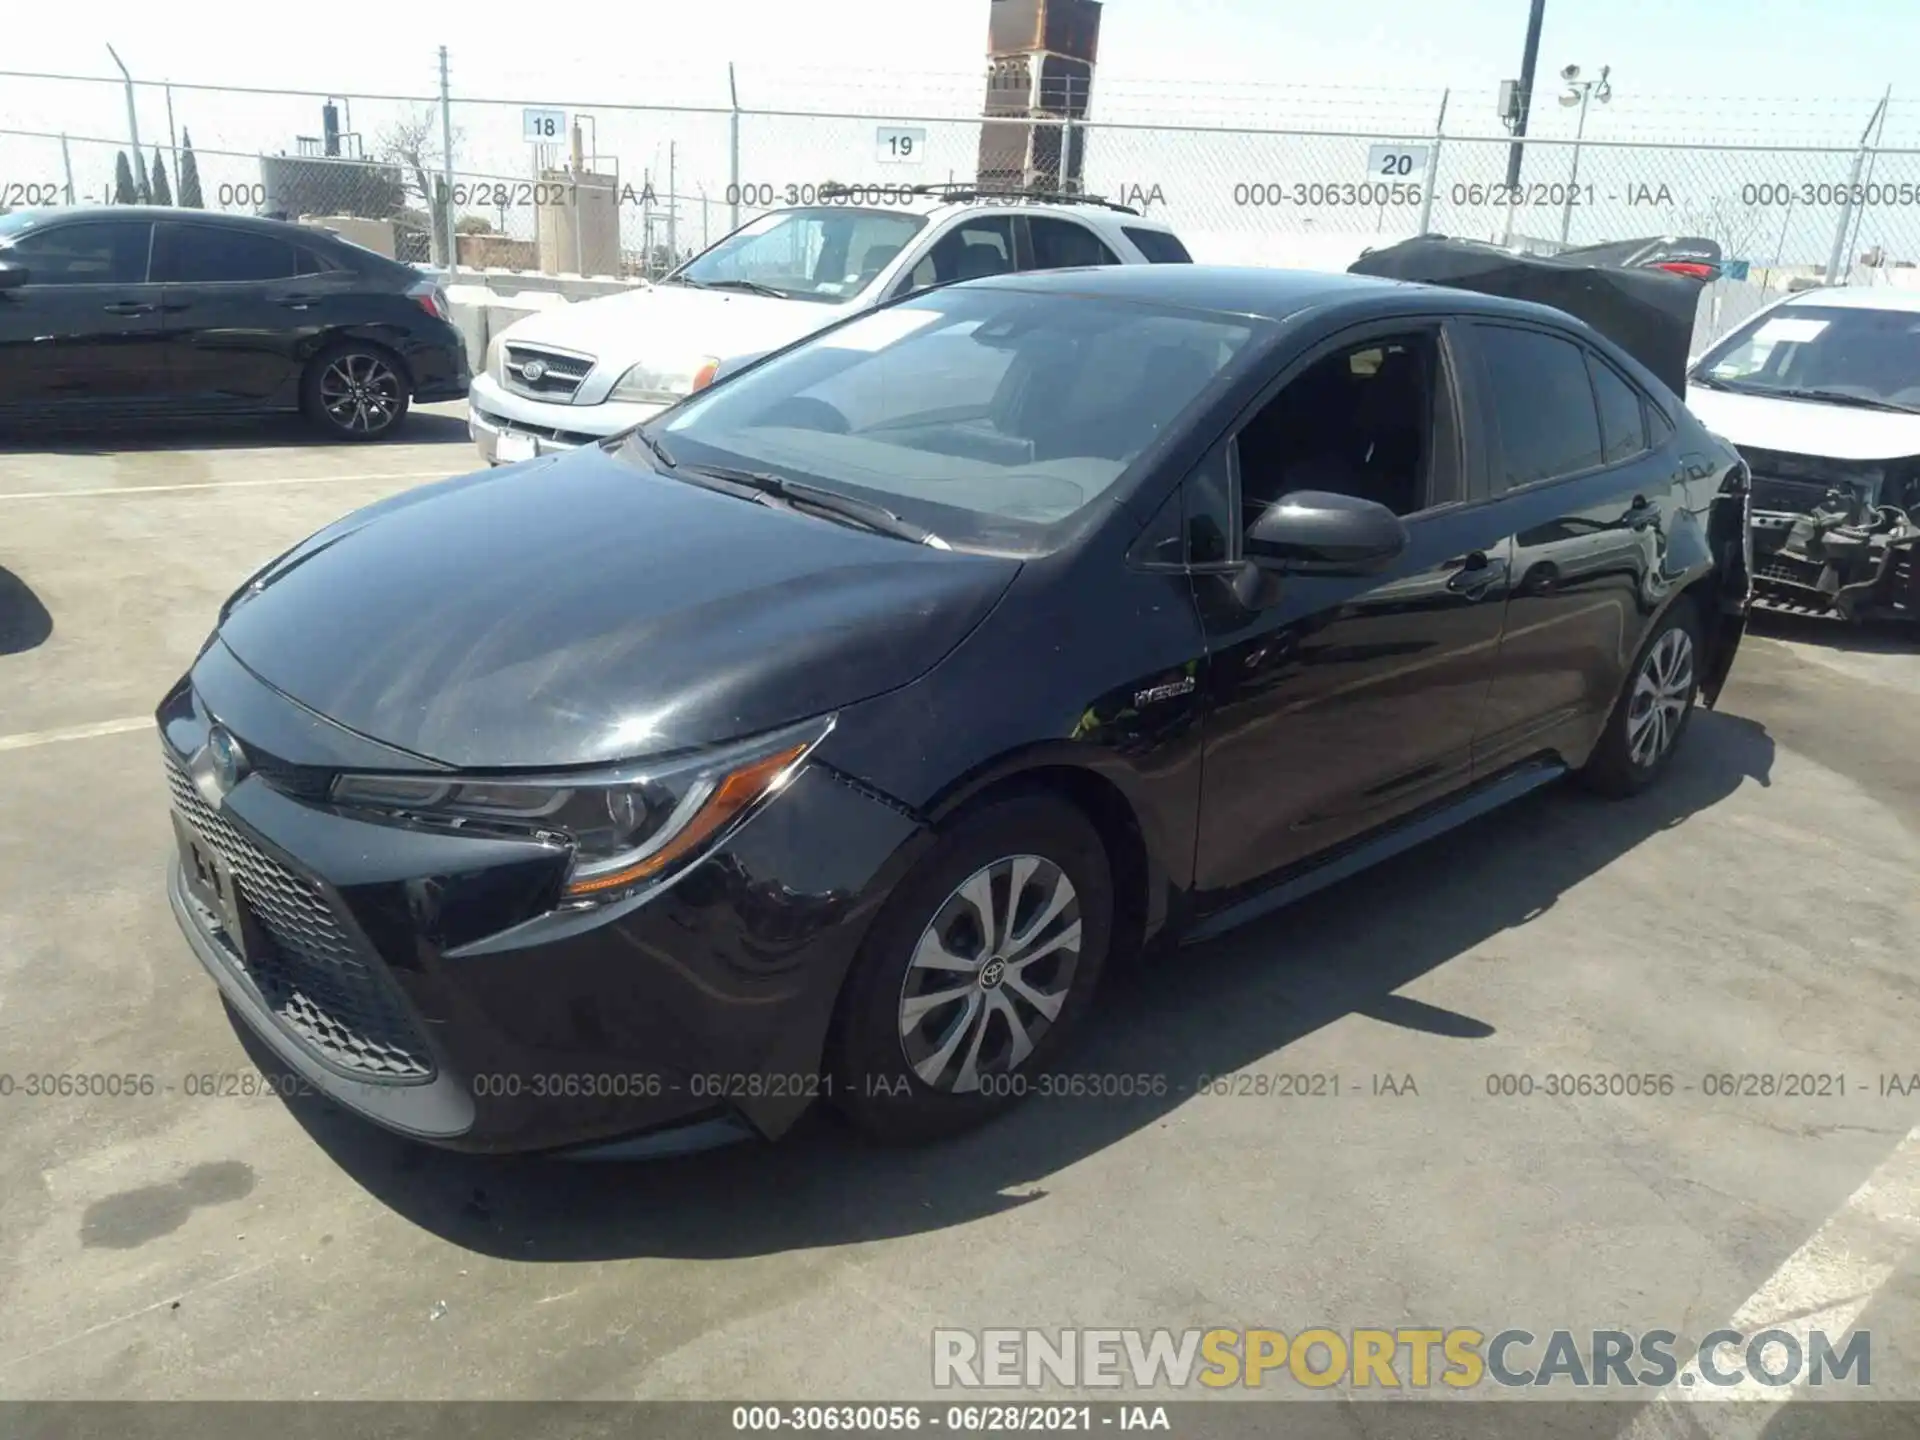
{"x": 244, "y": 307}
{"x": 1590, "y": 502}
{"x": 83, "y": 334}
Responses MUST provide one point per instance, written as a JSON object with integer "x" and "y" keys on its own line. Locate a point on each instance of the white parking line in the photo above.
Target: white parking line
{"x": 28, "y": 739}
{"x": 1824, "y": 1286}
{"x": 223, "y": 485}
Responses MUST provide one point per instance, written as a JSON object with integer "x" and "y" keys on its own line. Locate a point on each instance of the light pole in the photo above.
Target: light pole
{"x": 133, "y": 131}
{"x": 1578, "y": 92}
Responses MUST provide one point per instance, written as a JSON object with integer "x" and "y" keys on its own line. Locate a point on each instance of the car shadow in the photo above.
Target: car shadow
{"x": 1205, "y": 1011}
{"x": 24, "y": 621}
{"x": 1875, "y": 637}
{"x": 421, "y": 427}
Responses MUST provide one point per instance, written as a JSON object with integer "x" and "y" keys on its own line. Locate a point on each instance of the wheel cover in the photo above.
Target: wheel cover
{"x": 1661, "y": 693}
{"x": 360, "y": 392}
{"x": 990, "y": 973}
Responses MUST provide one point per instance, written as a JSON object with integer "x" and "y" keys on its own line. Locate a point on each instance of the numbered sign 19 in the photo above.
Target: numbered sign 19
{"x": 893, "y": 146}
{"x": 543, "y": 127}
{"x": 1397, "y": 162}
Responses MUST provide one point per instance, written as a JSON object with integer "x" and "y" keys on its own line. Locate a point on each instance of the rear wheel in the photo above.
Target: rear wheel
{"x": 976, "y": 973}
{"x": 1652, "y": 713}
{"x": 355, "y": 392}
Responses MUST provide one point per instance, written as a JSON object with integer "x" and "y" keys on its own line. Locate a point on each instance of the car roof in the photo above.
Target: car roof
{"x": 47, "y": 215}
{"x": 1262, "y": 292}
{"x": 1860, "y": 297}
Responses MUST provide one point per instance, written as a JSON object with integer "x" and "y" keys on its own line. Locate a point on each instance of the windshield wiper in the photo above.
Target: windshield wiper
{"x": 1844, "y": 397}
{"x": 799, "y": 494}
{"x": 753, "y": 286}
{"x": 654, "y": 447}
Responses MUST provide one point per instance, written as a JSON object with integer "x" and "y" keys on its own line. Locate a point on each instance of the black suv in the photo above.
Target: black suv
{"x": 826, "y": 736}
{"x": 136, "y": 313}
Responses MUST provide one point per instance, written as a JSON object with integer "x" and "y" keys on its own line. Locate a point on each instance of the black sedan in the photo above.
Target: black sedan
{"x": 136, "y": 313}
{"x": 827, "y": 736}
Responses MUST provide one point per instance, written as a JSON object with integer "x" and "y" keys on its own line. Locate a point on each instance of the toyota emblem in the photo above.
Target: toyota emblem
{"x": 220, "y": 765}
{"x": 533, "y": 370}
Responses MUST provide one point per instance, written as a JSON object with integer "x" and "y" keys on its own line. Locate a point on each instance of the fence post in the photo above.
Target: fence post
{"x": 446, "y": 164}
{"x": 66, "y": 161}
{"x": 1846, "y": 206}
{"x": 1433, "y": 163}
{"x": 140, "y": 191}
{"x": 733, "y": 162}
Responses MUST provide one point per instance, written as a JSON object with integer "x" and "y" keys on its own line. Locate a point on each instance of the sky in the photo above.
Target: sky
{"x": 1732, "y": 71}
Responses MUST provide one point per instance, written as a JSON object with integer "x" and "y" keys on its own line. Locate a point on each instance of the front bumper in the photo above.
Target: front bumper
{"x": 493, "y": 410}
{"x": 421, "y": 979}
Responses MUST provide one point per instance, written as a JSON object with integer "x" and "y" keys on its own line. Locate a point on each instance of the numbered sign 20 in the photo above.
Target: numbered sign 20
{"x": 543, "y": 127}
{"x": 1397, "y": 162}
{"x": 893, "y": 146}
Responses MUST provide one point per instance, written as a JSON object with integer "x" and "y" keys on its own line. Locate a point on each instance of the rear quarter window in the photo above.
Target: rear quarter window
{"x": 1160, "y": 247}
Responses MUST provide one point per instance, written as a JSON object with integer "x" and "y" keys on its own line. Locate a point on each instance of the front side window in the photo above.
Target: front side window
{"x": 1543, "y": 403}
{"x": 94, "y": 252}
{"x": 827, "y": 253}
{"x": 1837, "y": 353}
{"x": 987, "y": 416}
{"x": 1356, "y": 422}
{"x": 972, "y": 249}
{"x": 205, "y": 254}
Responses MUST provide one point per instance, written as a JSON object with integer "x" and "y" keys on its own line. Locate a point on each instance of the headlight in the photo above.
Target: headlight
{"x": 628, "y": 829}
{"x": 645, "y": 385}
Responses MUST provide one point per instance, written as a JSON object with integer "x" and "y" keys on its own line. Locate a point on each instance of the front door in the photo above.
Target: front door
{"x": 83, "y": 335}
{"x": 1345, "y": 702}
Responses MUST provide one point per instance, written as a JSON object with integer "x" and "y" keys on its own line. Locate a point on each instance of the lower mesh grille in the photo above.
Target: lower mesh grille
{"x": 311, "y": 973}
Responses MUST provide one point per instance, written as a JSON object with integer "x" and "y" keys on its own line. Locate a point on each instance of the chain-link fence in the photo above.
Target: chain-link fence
{"x": 623, "y": 189}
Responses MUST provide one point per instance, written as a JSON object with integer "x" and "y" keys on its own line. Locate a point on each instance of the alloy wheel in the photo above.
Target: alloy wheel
{"x": 360, "y": 393}
{"x": 990, "y": 973}
{"x": 1661, "y": 692}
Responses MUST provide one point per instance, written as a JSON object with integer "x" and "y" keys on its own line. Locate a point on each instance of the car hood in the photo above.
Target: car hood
{"x": 671, "y": 324}
{"x": 583, "y": 609}
{"x": 1805, "y": 427}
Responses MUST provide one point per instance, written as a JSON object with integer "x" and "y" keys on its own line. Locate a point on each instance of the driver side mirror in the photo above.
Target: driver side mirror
{"x": 12, "y": 276}
{"x": 1317, "y": 532}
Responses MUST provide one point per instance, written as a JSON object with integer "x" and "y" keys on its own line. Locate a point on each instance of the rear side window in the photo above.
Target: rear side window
{"x": 1623, "y": 426}
{"x": 205, "y": 254}
{"x": 1061, "y": 244}
{"x": 95, "y": 252}
{"x": 1543, "y": 404}
{"x": 1158, "y": 246}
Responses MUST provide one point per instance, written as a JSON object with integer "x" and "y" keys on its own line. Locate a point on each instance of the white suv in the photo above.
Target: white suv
{"x": 573, "y": 375}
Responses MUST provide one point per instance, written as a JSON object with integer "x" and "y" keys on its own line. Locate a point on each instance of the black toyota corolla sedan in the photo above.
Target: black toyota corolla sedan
{"x": 825, "y": 738}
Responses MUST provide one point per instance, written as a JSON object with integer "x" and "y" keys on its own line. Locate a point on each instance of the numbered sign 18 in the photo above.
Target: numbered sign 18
{"x": 1397, "y": 162}
{"x": 543, "y": 127}
{"x": 893, "y": 146}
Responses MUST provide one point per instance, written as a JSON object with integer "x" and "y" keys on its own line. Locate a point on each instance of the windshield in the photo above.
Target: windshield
{"x": 985, "y": 415}
{"x": 827, "y": 254}
{"x": 1850, "y": 350}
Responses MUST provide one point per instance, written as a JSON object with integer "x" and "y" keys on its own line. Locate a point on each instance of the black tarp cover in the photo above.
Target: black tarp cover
{"x": 1647, "y": 313}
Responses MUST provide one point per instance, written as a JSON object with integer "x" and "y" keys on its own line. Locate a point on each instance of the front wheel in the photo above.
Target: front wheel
{"x": 355, "y": 392}
{"x": 975, "y": 973}
{"x": 1652, "y": 713}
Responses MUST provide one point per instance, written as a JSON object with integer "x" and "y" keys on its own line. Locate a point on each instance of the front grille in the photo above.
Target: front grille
{"x": 311, "y": 973}
{"x": 555, "y": 374}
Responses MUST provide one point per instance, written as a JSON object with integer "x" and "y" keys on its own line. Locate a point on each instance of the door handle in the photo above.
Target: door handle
{"x": 299, "y": 302}
{"x": 129, "y": 307}
{"x": 1476, "y": 574}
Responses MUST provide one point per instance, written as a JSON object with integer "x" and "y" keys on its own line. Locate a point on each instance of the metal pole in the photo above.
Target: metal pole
{"x": 703, "y": 215}
{"x": 66, "y": 161}
{"x": 446, "y": 162}
{"x": 733, "y": 168}
{"x": 1433, "y": 163}
{"x": 1573, "y": 177}
{"x": 673, "y": 209}
{"x": 1846, "y": 206}
{"x": 1528, "y": 56}
{"x": 133, "y": 134}
{"x": 1780, "y": 249}
{"x": 173, "y": 139}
